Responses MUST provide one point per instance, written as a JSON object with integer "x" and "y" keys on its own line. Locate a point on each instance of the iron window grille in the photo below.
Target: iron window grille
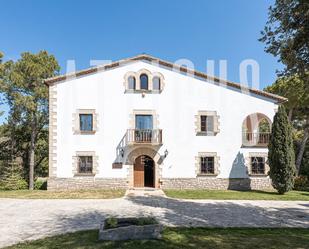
{"x": 85, "y": 164}
{"x": 207, "y": 165}
{"x": 258, "y": 165}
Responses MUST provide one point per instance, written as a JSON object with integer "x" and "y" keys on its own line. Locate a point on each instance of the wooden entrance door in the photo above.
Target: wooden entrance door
{"x": 144, "y": 172}
{"x": 139, "y": 172}
{"x": 149, "y": 172}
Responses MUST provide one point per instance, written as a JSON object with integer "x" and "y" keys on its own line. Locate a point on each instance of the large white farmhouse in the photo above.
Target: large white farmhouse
{"x": 145, "y": 122}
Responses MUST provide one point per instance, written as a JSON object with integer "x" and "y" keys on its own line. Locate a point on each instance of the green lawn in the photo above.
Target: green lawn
{"x": 238, "y": 195}
{"x": 182, "y": 194}
{"x": 195, "y": 238}
{"x": 76, "y": 194}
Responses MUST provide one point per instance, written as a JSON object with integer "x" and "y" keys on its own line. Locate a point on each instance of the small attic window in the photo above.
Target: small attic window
{"x": 131, "y": 83}
{"x": 156, "y": 83}
{"x": 144, "y": 81}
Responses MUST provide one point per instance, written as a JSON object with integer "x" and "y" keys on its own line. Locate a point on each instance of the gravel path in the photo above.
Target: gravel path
{"x": 27, "y": 219}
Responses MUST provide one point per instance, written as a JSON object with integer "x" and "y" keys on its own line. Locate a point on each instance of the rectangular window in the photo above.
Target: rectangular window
{"x": 258, "y": 165}
{"x": 85, "y": 164}
{"x": 86, "y": 122}
{"x": 207, "y": 123}
{"x": 207, "y": 165}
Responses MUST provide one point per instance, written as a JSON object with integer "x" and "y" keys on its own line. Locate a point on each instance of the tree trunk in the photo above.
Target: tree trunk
{"x": 301, "y": 150}
{"x": 290, "y": 114}
{"x": 31, "y": 152}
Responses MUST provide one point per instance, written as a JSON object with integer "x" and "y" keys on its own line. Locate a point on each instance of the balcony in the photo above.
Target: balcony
{"x": 134, "y": 136}
{"x": 259, "y": 139}
{"x": 256, "y": 129}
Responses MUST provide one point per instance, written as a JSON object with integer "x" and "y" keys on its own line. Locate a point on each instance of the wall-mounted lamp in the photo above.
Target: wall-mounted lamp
{"x": 165, "y": 153}
{"x": 122, "y": 152}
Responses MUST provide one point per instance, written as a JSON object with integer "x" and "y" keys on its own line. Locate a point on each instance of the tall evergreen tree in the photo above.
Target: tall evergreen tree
{"x": 281, "y": 153}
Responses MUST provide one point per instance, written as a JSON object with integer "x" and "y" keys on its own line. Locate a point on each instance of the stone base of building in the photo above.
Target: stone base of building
{"x": 258, "y": 183}
{"x": 86, "y": 183}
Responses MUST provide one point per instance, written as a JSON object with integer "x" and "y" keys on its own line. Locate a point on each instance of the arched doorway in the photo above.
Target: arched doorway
{"x": 132, "y": 156}
{"x": 144, "y": 173}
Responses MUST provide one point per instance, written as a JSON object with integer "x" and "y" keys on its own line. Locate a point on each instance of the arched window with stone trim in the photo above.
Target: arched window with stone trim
{"x": 156, "y": 83}
{"x": 131, "y": 83}
{"x": 256, "y": 130}
{"x": 144, "y": 81}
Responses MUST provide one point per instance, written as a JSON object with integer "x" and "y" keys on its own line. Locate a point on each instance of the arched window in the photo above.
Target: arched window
{"x": 131, "y": 83}
{"x": 144, "y": 81}
{"x": 156, "y": 83}
{"x": 256, "y": 130}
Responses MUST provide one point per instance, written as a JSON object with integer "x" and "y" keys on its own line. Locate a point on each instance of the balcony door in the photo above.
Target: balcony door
{"x": 143, "y": 128}
{"x": 143, "y": 122}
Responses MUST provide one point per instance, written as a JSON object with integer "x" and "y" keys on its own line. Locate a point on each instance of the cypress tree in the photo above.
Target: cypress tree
{"x": 281, "y": 153}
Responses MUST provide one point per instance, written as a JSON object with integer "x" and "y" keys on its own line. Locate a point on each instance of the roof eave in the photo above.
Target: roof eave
{"x": 150, "y": 58}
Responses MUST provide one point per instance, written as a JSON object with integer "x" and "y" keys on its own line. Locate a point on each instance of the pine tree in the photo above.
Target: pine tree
{"x": 12, "y": 179}
{"x": 281, "y": 153}
{"x": 21, "y": 84}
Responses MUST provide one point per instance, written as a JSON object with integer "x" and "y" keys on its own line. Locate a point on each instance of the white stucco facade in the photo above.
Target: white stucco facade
{"x": 175, "y": 108}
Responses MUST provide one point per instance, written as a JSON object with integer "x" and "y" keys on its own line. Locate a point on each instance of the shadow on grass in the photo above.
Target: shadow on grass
{"x": 273, "y": 193}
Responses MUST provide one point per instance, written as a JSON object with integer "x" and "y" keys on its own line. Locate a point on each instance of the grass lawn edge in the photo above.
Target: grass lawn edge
{"x": 175, "y": 237}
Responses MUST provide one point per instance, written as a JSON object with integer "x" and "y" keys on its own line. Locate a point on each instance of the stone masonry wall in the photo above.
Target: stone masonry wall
{"x": 258, "y": 183}
{"x": 86, "y": 183}
{"x": 217, "y": 183}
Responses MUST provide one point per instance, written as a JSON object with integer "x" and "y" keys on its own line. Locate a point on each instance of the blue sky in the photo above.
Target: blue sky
{"x": 96, "y": 30}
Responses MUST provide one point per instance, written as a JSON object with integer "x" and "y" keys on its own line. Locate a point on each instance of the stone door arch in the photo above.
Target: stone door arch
{"x": 144, "y": 151}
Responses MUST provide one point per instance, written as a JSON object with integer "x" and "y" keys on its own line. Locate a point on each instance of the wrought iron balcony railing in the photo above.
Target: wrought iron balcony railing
{"x": 135, "y": 136}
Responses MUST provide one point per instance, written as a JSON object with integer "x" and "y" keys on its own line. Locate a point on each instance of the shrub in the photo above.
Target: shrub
{"x": 13, "y": 183}
{"x": 40, "y": 184}
{"x": 11, "y": 178}
{"x": 301, "y": 183}
{"x": 146, "y": 221}
{"x": 111, "y": 222}
{"x": 120, "y": 222}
